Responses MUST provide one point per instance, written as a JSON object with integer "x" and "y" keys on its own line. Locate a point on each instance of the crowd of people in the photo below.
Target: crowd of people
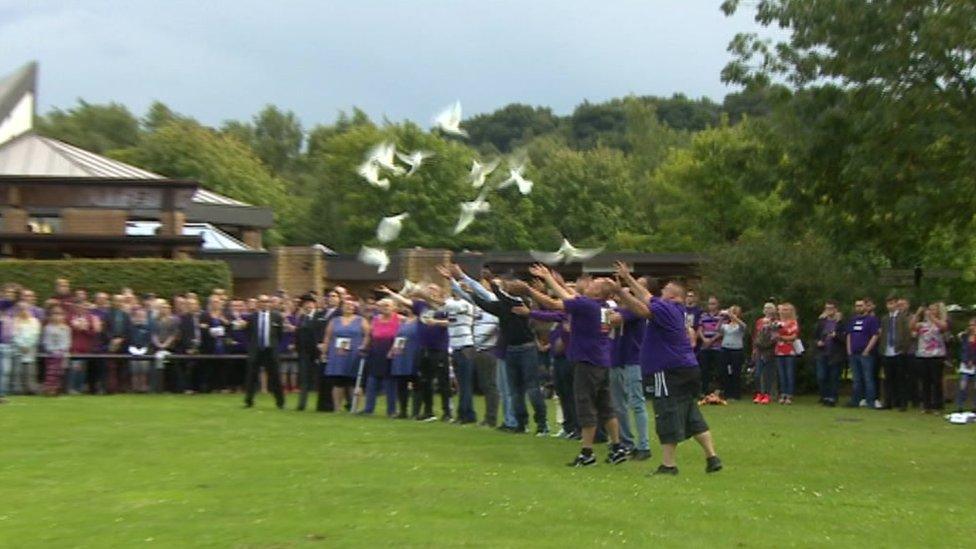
{"x": 600, "y": 346}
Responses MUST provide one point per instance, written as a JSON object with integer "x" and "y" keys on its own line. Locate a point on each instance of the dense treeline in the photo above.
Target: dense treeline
{"x": 859, "y": 158}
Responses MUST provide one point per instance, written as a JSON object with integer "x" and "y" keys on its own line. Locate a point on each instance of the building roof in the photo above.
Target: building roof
{"x": 36, "y": 155}
{"x": 213, "y": 238}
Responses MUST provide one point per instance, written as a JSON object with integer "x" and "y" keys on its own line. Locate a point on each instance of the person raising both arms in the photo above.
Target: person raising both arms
{"x": 667, "y": 357}
{"x": 590, "y": 349}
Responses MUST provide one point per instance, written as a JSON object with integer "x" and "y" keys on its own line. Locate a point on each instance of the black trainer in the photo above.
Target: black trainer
{"x": 641, "y": 455}
{"x": 665, "y": 470}
{"x": 617, "y": 456}
{"x": 713, "y": 465}
{"x": 583, "y": 461}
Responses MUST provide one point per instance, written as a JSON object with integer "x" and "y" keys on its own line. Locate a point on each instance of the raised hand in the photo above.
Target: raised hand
{"x": 539, "y": 270}
{"x": 622, "y": 270}
{"x": 444, "y": 271}
{"x": 521, "y": 310}
{"x": 456, "y": 270}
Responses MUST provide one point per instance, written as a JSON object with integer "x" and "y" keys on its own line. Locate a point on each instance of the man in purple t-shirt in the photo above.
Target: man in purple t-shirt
{"x": 667, "y": 357}
{"x": 710, "y": 338}
{"x": 589, "y": 347}
{"x": 862, "y": 336}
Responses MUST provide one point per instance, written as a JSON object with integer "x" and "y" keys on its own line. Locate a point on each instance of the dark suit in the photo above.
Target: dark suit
{"x": 307, "y": 339}
{"x": 900, "y": 386}
{"x": 325, "y": 403}
{"x": 189, "y": 339}
{"x": 262, "y": 351}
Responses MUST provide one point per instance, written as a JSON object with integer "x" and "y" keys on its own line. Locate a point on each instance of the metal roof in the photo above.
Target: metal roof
{"x": 213, "y": 238}
{"x": 33, "y": 154}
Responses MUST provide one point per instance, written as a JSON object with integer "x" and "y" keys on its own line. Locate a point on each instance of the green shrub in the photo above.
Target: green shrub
{"x": 163, "y": 277}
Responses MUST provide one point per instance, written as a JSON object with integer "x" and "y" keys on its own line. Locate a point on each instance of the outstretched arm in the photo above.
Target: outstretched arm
{"x": 396, "y": 297}
{"x": 623, "y": 273}
{"x": 632, "y": 303}
{"x": 543, "y": 272}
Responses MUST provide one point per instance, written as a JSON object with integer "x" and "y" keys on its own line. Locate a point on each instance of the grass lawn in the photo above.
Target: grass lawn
{"x": 181, "y": 471}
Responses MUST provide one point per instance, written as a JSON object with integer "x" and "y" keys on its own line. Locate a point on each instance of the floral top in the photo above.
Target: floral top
{"x": 931, "y": 344}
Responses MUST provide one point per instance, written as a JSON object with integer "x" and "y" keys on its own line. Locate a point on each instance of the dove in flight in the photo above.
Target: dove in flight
{"x": 414, "y": 160}
{"x": 470, "y": 209}
{"x": 480, "y": 172}
{"x": 389, "y": 227}
{"x": 370, "y": 171}
{"x": 376, "y": 257}
{"x": 408, "y": 288}
{"x": 449, "y": 120}
{"x": 515, "y": 178}
{"x": 382, "y": 155}
{"x": 567, "y": 253}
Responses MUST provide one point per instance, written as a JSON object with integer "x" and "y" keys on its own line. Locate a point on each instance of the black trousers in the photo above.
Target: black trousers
{"x": 324, "y": 384}
{"x": 433, "y": 368}
{"x": 307, "y": 365}
{"x": 931, "y": 373}
{"x": 267, "y": 359}
{"x": 96, "y": 376}
{"x": 896, "y": 381}
{"x": 711, "y": 367}
{"x": 732, "y": 360}
{"x": 403, "y": 394}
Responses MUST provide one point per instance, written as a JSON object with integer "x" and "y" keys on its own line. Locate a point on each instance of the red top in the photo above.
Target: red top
{"x": 385, "y": 329}
{"x": 84, "y": 332}
{"x": 787, "y": 328}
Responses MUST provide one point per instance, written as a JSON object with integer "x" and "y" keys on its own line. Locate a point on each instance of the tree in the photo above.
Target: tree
{"x": 95, "y": 128}
{"x": 510, "y": 126}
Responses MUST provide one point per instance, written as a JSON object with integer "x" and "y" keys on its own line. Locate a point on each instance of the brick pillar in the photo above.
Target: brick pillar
{"x": 171, "y": 223}
{"x": 92, "y": 221}
{"x": 420, "y": 264}
{"x": 14, "y": 220}
{"x": 297, "y": 269}
{"x": 252, "y": 238}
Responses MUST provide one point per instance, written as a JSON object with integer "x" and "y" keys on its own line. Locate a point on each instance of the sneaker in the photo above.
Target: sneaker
{"x": 447, "y": 419}
{"x": 642, "y": 455}
{"x": 583, "y": 461}
{"x": 787, "y": 401}
{"x": 878, "y": 405}
{"x": 765, "y": 399}
{"x": 862, "y": 404}
{"x": 665, "y": 470}
{"x": 561, "y": 434}
{"x": 713, "y": 465}
{"x": 757, "y": 398}
{"x": 542, "y": 432}
{"x": 617, "y": 456}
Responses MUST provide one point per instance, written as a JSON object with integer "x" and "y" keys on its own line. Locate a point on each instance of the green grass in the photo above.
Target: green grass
{"x": 178, "y": 471}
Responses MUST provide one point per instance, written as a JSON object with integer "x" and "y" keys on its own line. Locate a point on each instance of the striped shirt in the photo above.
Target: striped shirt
{"x": 485, "y": 330}
{"x": 460, "y": 315}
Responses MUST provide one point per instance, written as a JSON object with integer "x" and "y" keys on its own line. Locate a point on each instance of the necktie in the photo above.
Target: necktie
{"x": 264, "y": 330}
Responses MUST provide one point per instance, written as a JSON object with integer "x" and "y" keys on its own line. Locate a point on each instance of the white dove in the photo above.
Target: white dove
{"x": 567, "y": 253}
{"x": 370, "y": 171}
{"x": 515, "y": 178}
{"x": 480, "y": 172}
{"x": 449, "y": 120}
{"x": 414, "y": 160}
{"x": 382, "y": 155}
{"x": 376, "y": 257}
{"x": 408, "y": 287}
{"x": 389, "y": 227}
{"x": 469, "y": 210}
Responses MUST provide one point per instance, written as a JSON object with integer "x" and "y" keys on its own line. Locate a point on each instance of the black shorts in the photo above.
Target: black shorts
{"x": 591, "y": 387}
{"x": 341, "y": 381}
{"x": 676, "y": 414}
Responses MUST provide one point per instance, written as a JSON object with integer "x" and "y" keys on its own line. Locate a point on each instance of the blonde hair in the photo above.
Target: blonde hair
{"x": 789, "y": 309}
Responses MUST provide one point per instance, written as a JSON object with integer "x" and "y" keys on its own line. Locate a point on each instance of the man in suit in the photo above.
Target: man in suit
{"x": 263, "y": 333}
{"x": 330, "y": 310}
{"x": 190, "y": 339}
{"x": 307, "y": 340}
{"x": 895, "y": 347}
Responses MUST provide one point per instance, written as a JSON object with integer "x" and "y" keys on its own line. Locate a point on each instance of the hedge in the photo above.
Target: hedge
{"x": 164, "y": 277}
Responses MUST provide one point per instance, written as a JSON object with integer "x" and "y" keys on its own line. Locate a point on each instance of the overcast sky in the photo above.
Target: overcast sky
{"x": 219, "y": 60}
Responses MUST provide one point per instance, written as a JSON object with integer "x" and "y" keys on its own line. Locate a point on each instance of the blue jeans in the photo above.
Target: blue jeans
{"x": 373, "y": 386}
{"x": 764, "y": 376}
{"x": 787, "y": 375}
{"x": 563, "y": 372}
{"x": 522, "y": 362}
{"x": 505, "y": 394}
{"x": 6, "y": 356}
{"x": 862, "y": 370}
{"x": 828, "y": 378}
{"x": 464, "y": 370}
{"x": 627, "y": 392}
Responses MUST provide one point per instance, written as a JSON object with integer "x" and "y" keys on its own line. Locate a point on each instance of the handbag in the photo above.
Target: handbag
{"x": 798, "y": 346}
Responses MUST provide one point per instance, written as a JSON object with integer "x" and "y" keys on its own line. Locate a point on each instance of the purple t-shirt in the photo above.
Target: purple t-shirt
{"x": 709, "y": 325}
{"x": 433, "y": 338}
{"x": 860, "y": 330}
{"x": 666, "y": 345}
{"x": 630, "y": 334}
{"x": 589, "y": 331}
